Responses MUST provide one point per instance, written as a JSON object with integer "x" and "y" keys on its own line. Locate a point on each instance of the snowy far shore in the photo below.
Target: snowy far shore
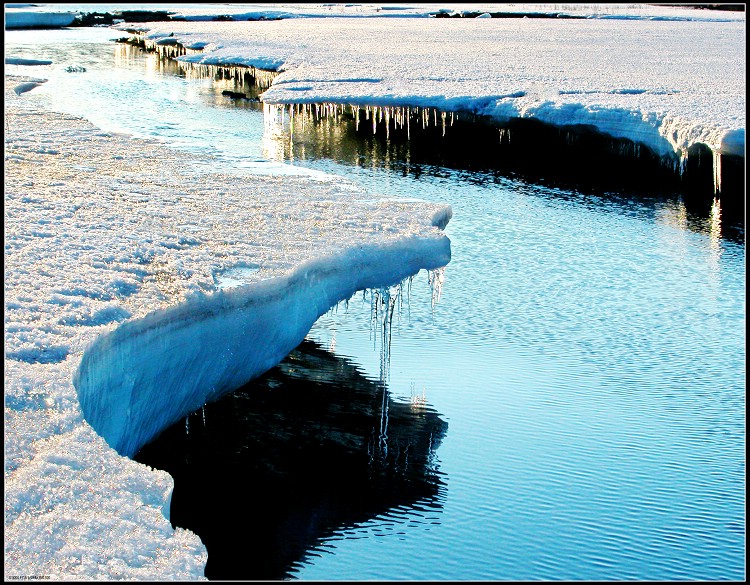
{"x": 663, "y": 76}
{"x": 667, "y": 85}
{"x": 139, "y": 254}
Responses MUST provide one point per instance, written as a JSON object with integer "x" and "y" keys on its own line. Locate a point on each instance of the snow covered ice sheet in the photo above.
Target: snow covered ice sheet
{"x": 108, "y": 238}
{"x": 664, "y": 83}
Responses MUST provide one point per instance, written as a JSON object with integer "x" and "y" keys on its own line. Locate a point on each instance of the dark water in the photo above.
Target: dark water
{"x": 298, "y": 458}
{"x": 583, "y": 372}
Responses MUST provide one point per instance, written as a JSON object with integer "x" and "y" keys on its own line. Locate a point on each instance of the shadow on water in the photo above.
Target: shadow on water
{"x": 312, "y": 449}
{"x": 478, "y": 149}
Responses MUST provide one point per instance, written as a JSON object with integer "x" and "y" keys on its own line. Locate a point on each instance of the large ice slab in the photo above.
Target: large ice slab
{"x": 112, "y": 242}
{"x": 145, "y": 375}
{"x": 664, "y": 83}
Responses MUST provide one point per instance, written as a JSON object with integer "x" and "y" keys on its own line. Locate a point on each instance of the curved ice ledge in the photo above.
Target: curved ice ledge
{"x": 138, "y": 379}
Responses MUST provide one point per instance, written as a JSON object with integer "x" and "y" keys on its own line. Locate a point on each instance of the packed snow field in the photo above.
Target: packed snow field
{"x": 100, "y": 230}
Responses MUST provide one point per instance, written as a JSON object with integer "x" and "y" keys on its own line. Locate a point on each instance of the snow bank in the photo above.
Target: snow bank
{"x": 667, "y": 84}
{"x": 34, "y": 19}
{"x": 108, "y": 237}
{"x": 23, "y": 61}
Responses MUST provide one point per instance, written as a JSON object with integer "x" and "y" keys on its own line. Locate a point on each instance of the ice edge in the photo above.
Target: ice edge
{"x": 138, "y": 379}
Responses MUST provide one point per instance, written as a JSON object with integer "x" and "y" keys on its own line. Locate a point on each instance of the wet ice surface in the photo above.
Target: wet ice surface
{"x": 101, "y": 229}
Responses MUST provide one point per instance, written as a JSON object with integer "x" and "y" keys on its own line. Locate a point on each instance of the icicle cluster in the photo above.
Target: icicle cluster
{"x": 168, "y": 48}
{"x": 246, "y": 74}
{"x": 281, "y": 116}
{"x": 383, "y": 303}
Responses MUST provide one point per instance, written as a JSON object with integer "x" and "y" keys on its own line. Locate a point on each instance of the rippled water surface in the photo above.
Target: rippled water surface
{"x": 583, "y": 367}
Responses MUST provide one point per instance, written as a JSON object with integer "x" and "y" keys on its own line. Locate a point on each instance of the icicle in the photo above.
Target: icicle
{"x": 442, "y": 119}
{"x": 291, "y": 123}
{"x": 451, "y": 118}
{"x": 717, "y": 172}
{"x": 683, "y": 162}
{"x": 356, "y": 118}
{"x": 387, "y": 122}
{"x": 187, "y": 424}
{"x": 203, "y": 412}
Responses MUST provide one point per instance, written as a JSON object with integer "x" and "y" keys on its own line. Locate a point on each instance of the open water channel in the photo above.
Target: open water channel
{"x": 572, "y": 406}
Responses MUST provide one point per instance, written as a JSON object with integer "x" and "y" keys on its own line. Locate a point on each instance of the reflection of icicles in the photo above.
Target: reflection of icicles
{"x": 332, "y": 342}
{"x": 203, "y": 412}
{"x": 187, "y": 424}
{"x": 417, "y": 401}
{"x": 714, "y": 219}
{"x": 383, "y": 436}
{"x": 435, "y": 279}
{"x": 433, "y": 463}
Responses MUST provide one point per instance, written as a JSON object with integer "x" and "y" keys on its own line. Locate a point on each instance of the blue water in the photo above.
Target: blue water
{"x": 587, "y": 353}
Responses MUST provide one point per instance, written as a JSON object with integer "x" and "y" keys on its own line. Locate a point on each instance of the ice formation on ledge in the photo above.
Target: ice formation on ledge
{"x": 630, "y": 79}
{"x": 142, "y": 377}
{"x": 107, "y": 237}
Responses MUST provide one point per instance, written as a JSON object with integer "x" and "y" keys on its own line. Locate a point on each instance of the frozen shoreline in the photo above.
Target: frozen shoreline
{"x": 628, "y": 79}
{"x": 102, "y": 230}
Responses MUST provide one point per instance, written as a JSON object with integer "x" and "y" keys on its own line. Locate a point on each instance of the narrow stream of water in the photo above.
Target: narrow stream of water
{"x": 573, "y": 405}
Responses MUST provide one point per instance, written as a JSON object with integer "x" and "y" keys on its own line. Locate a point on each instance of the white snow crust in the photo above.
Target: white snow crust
{"x": 663, "y": 83}
{"x": 116, "y": 251}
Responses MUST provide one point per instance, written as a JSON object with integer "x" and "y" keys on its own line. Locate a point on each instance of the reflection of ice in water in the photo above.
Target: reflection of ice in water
{"x": 436, "y": 278}
{"x": 714, "y": 225}
{"x": 312, "y": 432}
